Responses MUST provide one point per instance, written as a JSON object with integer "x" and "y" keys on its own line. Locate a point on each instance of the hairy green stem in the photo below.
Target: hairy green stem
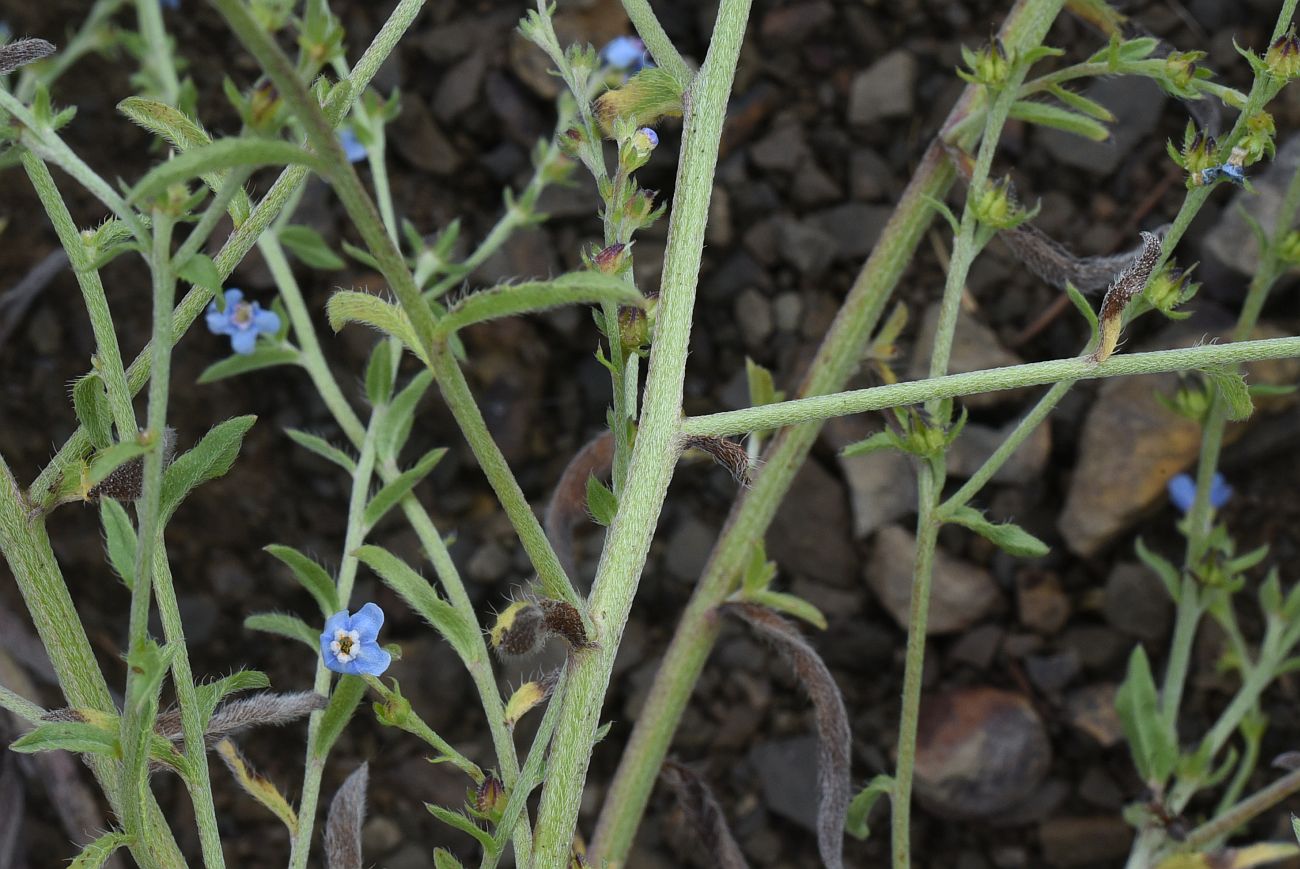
{"x": 657, "y": 444}
{"x": 1251, "y": 807}
{"x": 158, "y": 52}
{"x": 665, "y": 54}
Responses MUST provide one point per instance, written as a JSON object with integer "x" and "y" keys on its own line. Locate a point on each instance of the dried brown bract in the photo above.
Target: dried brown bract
{"x": 704, "y": 815}
{"x": 727, "y": 453}
{"x": 21, "y": 52}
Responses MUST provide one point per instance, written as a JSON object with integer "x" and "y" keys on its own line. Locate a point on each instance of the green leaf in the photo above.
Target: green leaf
{"x": 210, "y": 694}
{"x": 75, "y": 736}
{"x": 1295, "y": 827}
{"x": 95, "y": 854}
{"x": 601, "y": 502}
{"x": 379, "y": 374}
{"x": 322, "y": 448}
{"x": 219, "y": 155}
{"x": 421, "y": 596}
{"x": 394, "y": 427}
{"x": 264, "y": 355}
{"x": 307, "y": 245}
{"x": 574, "y": 288}
{"x": 1151, "y": 739}
{"x": 1232, "y": 389}
{"x": 790, "y": 605}
{"x": 1057, "y": 118}
{"x": 107, "y": 461}
{"x": 759, "y": 572}
{"x": 881, "y": 440}
{"x": 1082, "y": 104}
{"x": 210, "y": 458}
{"x": 388, "y": 497}
{"x": 285, "y": 625}
{"x": 90, "y": 402}
{"x": 443, "y": 859}
{"x": 462, "y": 823}
{"x": 941, "y": 208}
{"x": 350, "y": 306}
{"x": 1007, "y": 536}
{"x": 762, "y": 389}
{"x": 119, "y": 539}
{"x": 361, "y": 255}
{"x": 646, "y": 97}
{"x": 313, "y": 577}
{"x": 1084, "y": 308}
{"x": 860, "y": 808}
{"x": 1167, "y": 572}
{"x": 201, "y": 271}
{"x": 344, "y": 700}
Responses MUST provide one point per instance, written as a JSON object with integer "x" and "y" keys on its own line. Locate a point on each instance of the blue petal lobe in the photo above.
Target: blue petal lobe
{"x": 1182, "y": 492}
{"x": 267, "y": 322}
{"x": 367, "y": 622}
{"x": 244, "y": 341}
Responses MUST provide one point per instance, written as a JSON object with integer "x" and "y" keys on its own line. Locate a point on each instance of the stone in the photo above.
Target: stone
{"x": 720, "y": 230}
{"x": 1086, "y": 841}
{"x": 883, "y": 90}
{"x": 882, "y": 485}
{"x": 689, "y": 547}
{"x": 961, "y": 593}
{"x": 532, "y": 67}
{"x": 787, "y": 773}
{"x": 1042, "y": 603}
{"x": 1091, "y": 710}
{"x": 854, "y": 226}
{"x": 979, "y": 751}
{"x": 978, "y": 646}
{"x": 869, "y": 175}
{"x": 786, "y": 310}
{"x": 1052, "y": 673}
{"x": 806, "y": 245}
{"x": 789, "y": 25}
{"x": 1137, "y": 105}
{"x": 977, "y": 442}
{"x": 380, "y": 835}
{"x": 754, "y": 316}
{"x": 974, "y": 347}
{"x": 1098, "y": 788}
{"x": 1099, "y": 647}
{"x": 1232, "y": 241}
{"x": 490, "y": 563}
{"x": 812, "y": 186}
{"x": 811, "y": 534}
{"x": 783, "y": 149}
{"x": 459, "y": 87}
{"x": 1137, "y": 602}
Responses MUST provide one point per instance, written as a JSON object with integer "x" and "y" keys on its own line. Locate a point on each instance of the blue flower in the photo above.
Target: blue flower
{"x": 651, "y": 136}
{"x": 1182, "y": 491}
{"x": 352, "y": 147}
{"x": 349, "y": 644}
{"x": 242, "y": 321}
{"x": 171, "y": 4}
{"x": 626, "y": 54}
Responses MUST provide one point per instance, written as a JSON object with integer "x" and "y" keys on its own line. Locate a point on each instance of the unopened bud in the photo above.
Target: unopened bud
{"x": 989, "y": 66}
{"x": 610, "y": 260}
{"x": 490, "y": 797}
{"x": 518, "y": 629}
{"x": 1288, "y": 249}
{"x": 1283, "y": 56}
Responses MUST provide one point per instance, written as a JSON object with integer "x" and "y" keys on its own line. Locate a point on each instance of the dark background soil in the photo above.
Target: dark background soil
{"x": 793, "y": 163}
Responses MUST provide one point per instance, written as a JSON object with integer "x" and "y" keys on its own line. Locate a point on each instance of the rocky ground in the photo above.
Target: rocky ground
{"x": 834, "y": 104}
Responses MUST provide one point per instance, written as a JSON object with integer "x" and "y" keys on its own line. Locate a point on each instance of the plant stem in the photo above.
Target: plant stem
{"x": 1251, "y": 807}
{"x": 158, "y": 52}
{"x": 655, "y": 452}
{"x": 666, "y": 55}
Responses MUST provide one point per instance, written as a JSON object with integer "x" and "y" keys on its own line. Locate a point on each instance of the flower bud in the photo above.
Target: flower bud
{"x": 644, "y": 141}
{"x": 490, "y": 797}
{"x": 1180, "y": 68}
{"x": 518, "y": 629}
{"x": 1288, "y": 249}
{"x": 633, "y": 329}
{"x": 1170, "y": 287}
{"x": 1258, "y": 141}
{"x": 1283, "y": 56}
{"x": 610, "y": 260}
{"x": 989, "y": 66}
{"x": 995, "y": 206}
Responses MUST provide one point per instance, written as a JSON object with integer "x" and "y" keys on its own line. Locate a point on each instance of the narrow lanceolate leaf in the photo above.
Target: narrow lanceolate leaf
{"x": 322, "y": 448}
{"x": 201, "y": 271}
{"x": 703, "y": 813}
{"x": 223, "y": 154}
{"x": 421, "y": 597}
{"x": 350, "y": 306}
{"x": 210, "y": 694}
{"x": 210, "y": 458}
{"x": 343, "y": 825}
{"x": 462, "y": 823}
{"x": 1248, "y": 857}
{"x": 1007, "y": 536}
{"x": 311, "y": 575}
{"x": 91, "y": 405}
{"x": 257, "y": 786}
{"x": 575, "y": 288}
{"x": 1232, "y": 388}
{"x": 96, "y": 854}
{"x": 393, "y": 429}
{"x": 379, "y": 374}
{"x": 789, "y": 604}
{"x": 444, "y": 859}
{"x": 1082, "y": 104}
{"x": 601, "y": 502}
{"x": 855, "y": 823}
{"x": 263, "y": 356}
{"x": 387, "y": 497}
{"x": 285, "y": 626}
{"x": 1048, "y": 115}
{"x": 832, "y": 723}
{"x": 78, "y": 737}
{"x": 1150, "y": 738}
{"x": 119, "y": 539}
{"x": 307, "y": 245}
{"x": 21, "y": 52}
{"x": 342, "y": 703}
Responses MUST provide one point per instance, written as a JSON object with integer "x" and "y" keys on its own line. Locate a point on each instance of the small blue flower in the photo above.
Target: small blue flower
{"x": 242, "y": 321}
{"x": 171, "y": 4}
{"x": 626, "y": 54}
{"x": 1182, "y": 491}
{"x": 352, "y": 147}
{"x": 349, "y": 644}
{"x": 650, "y": 135}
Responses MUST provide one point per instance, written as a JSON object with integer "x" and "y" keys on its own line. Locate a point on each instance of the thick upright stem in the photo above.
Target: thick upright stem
{"x": 655, "y": 453}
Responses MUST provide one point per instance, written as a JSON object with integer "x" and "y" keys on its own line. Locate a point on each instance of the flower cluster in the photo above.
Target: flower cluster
{"x": 242, "y": 321}
{"x": 1182, "y": 491}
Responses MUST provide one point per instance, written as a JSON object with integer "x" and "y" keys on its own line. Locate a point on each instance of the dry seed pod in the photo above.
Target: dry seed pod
{"x": 727, "y": 453}
{"x": 518, "y": 630}
{"x": 1126, "y": 285}
{"x": 21, "y": 52}
{"x": 528, "y": 696}
{"x": 563, "y": 618}
{"x": 126, "y": 483}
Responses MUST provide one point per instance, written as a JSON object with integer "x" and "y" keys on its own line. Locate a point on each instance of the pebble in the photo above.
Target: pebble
{"x": 783, "y": 149}
{"x": 786, "y": 310}
{"x": 754, "y": 316}
{"x": 1137, "y": 603}
{"x": 974, "y": 347}
{"x": 869, "y": 175}
{"x": 978, "y": 646}
{"x": 1041, "y": 602}
{"x": 379, "y": 836}
{"x": 1137, "y": 105}
{"x": 811, "y": 535}
{"x": 459, "y": 87}
{"x": 854, "y": 226}
{"x": 961, "y": 593}
{"x": 1086, "y": 841}
{"x": 977, "y": 442}
{"x": 813, "y": 187}
{"x": 1091, "y": 710}
{"x": 882, "y": 485}
{"x": 1052, "y": 673}
{"x": 689, "y": 547}
{"x": 720, "y": 231}
{"x": 1098, "y": 646}
{"x": 789, "y": 25}
{"x": 787, "y": 772}
{"x": 883, "y": 90}
{"x": 418, "y": 138}
{"x": 979, "y": 752}
{"x": 489, "y": 564}
{"x": 806, "y": 245}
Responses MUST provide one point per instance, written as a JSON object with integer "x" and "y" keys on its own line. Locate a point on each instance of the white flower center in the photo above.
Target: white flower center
{"x": 346, "y": 645}
{"x": 243, "y": 315}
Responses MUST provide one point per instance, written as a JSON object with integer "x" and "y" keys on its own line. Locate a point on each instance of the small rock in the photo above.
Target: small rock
{"x": 783, "y": 149}
{"x": 977, "y": 646}
{"x": 1098, "y": 646}
{"x": 974, "y": 348}
{"x": 411, "y": 856}
{"x": 1137, "y": 602}
{"x": 490, "y": 563}
{"x": 1085, "y": 841}
{"x": 810, "y": 534}
{"x": 869, "y": 175}
{"x": 882, "y": 485}
{"x": 532, "y": 66}
{"x": 790, "y": 24}
{"x": 854, "y": 226}
{"x": 977, "y": 442}
{"x": 1137, "y": 106}
{"x": 884, "y": 90}
{"x": 689, "y": 548}
{"x": 979, "y": 752}
{"x": 1232, "y": 241}
{"x": 720, "y": 230}
{"x": 1091, "y": 709}
{"x": 806, "y": 245}
{"x": 459, "y": 87}
{"x": 786, "y": 309}
{"x": 419, "y": 139}
{"x": 1041, "y": 601}
{"x": 813, "y": 187}
{"x": 1098, "y": 788}
{"x": 754, "y": 316}
{"x": 787, "y": 771}
{"x": 379, "y": 836}
{"x": 961, "y": 593}
{"x": 1051, "y": 673}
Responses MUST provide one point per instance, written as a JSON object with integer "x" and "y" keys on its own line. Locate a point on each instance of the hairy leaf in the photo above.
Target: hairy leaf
{"x": 285, "y": 626}
{"x": 76, "y": 736}
{"x": 401, "y": 485}
{"x": 421, "y": 596}
{"x": 223, "y": 154}
{"x": 95, "y": 854}
{"x": 1057, "y": 118}
{"x": 1007, "y": 536}
{"x": 210, "y": 458}
{"x": 575, "y": 288}
{"x": 460, "y": 822}
{"x": 343, "y": 825}
{"x": 379, "y": 374}
{"x": 21, "y": 52}
{"x": 263, "y": 356}
{"x": 350, "y": 306}
{"x": 119, "y": 539}
{"x": 393, "y": 429}
{"x": 311, "y": 575}
{"x": 860, "y": 808}
{"x": 91, "y": 405}
{"x": 307, "y": 245}
{"x": 601, "y": 503}
{"x": 212, "y": 693}
{"x": 322, "y": 448}
{"x": 703, "y": 813}
{"x": 342, "y": 703}
{"x": 1151, "y": 738}
{"x": 1232, "y": 389}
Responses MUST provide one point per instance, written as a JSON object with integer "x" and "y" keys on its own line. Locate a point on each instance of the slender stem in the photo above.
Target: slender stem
{"x": 656, "y": 450}
{"x": 158, "y": 50}
{"x": 352, "y": 540}
{"x": 376, "y": 157}
{"x": 822, "y": 407}
{"x": 927, "y": 535}
{"x": 108, "y": 356}
{"x": 13, "y": 702}
{"x": 666, "y": 55}
{"x": 197, "y": 782}
{"x": 215, "y": 211}
{"x": 1188, "y": 614}
{"x": 415, "y": 725}
{"x": 1251, "y": 807}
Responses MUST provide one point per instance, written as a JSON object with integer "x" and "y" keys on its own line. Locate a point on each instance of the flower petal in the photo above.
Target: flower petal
{"x": 367, "y": 622}
{"x": 1220, "y": 491}
{"x": 1182, "y": 492}
{"x": 234, "y": 296}
{"x": 371, "y": 659}
{"x": 266, "y": 322}
{"x": 218, "y": 323}
{"x": 243, "y": 341}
